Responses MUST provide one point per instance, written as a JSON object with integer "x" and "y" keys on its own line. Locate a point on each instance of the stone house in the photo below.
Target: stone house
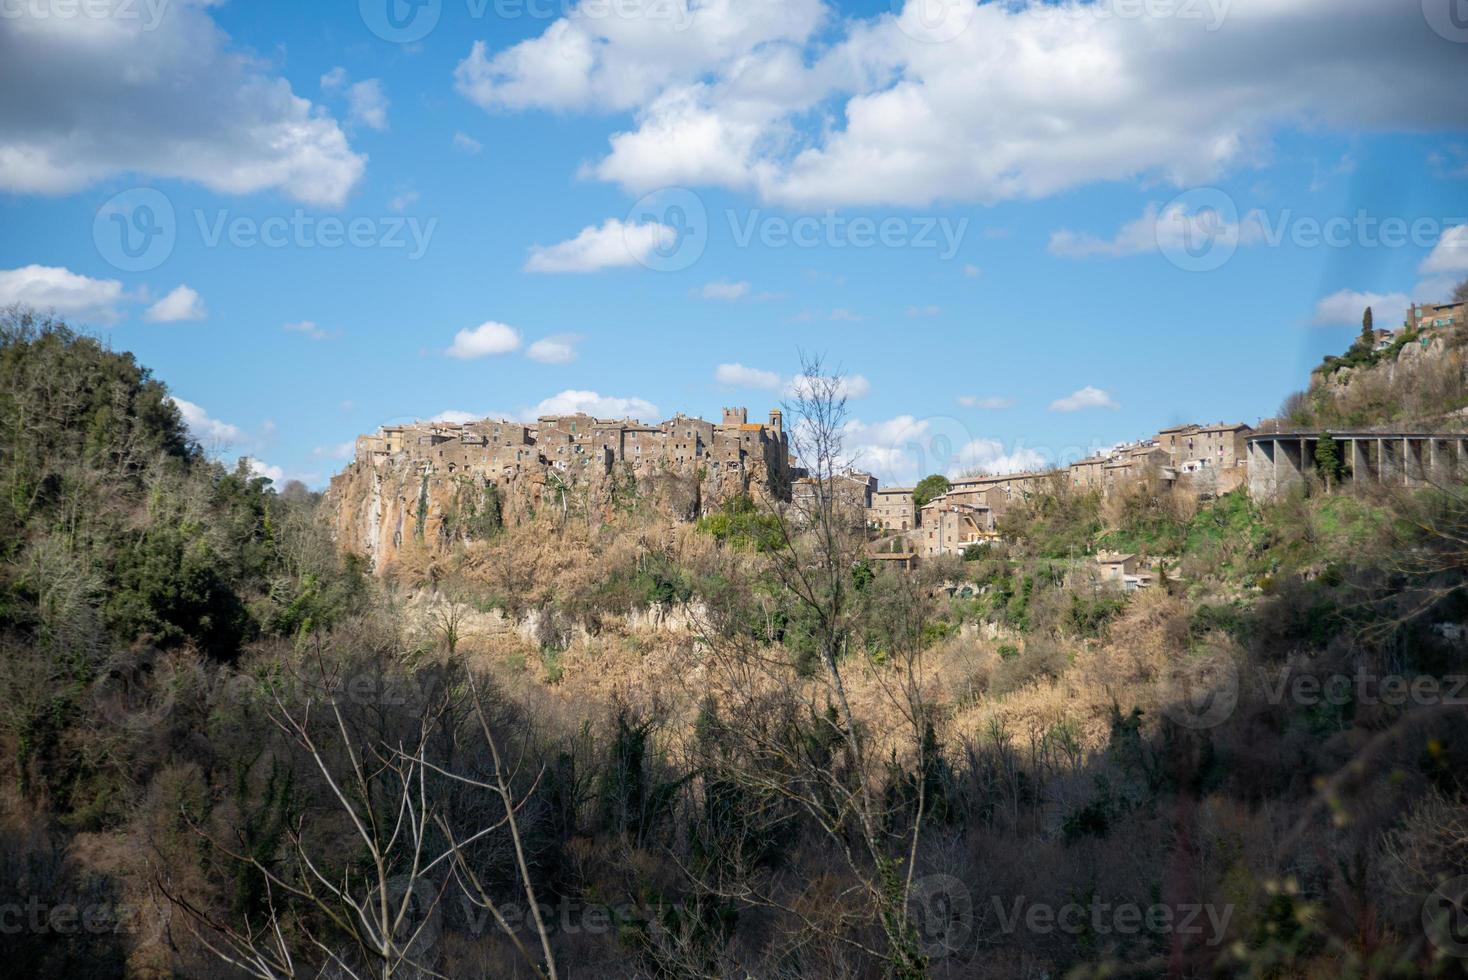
{"x": 893, "y": 509}
{"x": 948, "y": 528}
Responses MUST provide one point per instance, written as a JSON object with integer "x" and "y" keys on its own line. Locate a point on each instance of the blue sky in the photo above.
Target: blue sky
{"x": 984, "y": 213}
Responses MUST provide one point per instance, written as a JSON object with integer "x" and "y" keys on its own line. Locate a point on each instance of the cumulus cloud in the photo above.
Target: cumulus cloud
{"x": 739, "y": 376}
{"x": 1450, "y": 255}
{"x": 457, "y": 416}
{"x": 1345, "y": 308}
{"x": 367, "y": 104}
{"x": 207, "y": 431}
{"x": 903, "y": 449}
{"x": 1087, "y": 397}
{"x": 556, "y": 349}
{"x": 1174, "y": 228}
{"x": 69, "y": 294}
{"x": 990, "y": 456}
{"x": 992, "y": 402}
{"x": 921, "y": 311}
{"x": 258, "y": 467}
{"x": 183, "y": 304}
{"x": 1029, "y": 100}
{"x": 571, "y": 401}
{"x": 120, "y": 94}
{"x": 849, "y": 386}
{"x": 486, "y": 340}
{"x": 467, "y": 144}
{"x": 620, "y": 63}
{"x": 615, "y": 244}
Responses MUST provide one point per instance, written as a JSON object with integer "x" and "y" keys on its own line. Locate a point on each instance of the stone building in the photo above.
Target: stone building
{"x": 407, "y": 479}
{"x": 949, "y": 527}
{"x": 1436, "y": 316}
{"x": 893, "y": 509}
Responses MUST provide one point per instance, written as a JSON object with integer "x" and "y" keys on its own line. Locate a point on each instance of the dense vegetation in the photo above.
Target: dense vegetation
{"x": 643, "y": 748}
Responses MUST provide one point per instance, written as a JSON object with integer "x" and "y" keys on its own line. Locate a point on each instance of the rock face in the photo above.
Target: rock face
{"x": 438, "y": 483}
{"x": 1423, "y": 382}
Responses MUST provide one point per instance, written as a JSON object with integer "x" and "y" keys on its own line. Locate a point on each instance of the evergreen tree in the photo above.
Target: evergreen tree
{"x": 1328, "y": 458}
{"x": 1368, "y": 331}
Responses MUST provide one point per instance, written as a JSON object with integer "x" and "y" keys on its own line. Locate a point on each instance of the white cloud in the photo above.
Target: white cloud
{"x": 1173, "y": 228}
{"x": 570, "y": 402}
{"x": 989, "y": 456}
{"x": 739, "y": 376}
{"x": 259, "y": 467}
{"x": 183, "y": 304}
{"x": 404, "y": 200}
{"x": 209, "y": 432}
{"x": 1346, "y": 307}
{"x": 901, "y": 450}
{"x": 1029, "y": 100}
{"x": 367, "y": 104}
{"x": 841, "y": 314}
{"x": 334, "y": 79}
{"x": 467, "y": 144}
{"x": 69, "y": 294}
{"x": 920, "y": 311}
{"x": 620, "y": 63}
{"x": 971, "y": 271}
{"x": 723, "y": 290}
{"x": 340, "y": 450}
{"x": 310, "y": 329}
{"x": 457, "y": 416}
{"x": 992, "y": 402}
{"x": 1087, "y": 397}
{"x": 557, "y": 349}
{"x": 163, "y": 96}
{"x": 614, "y": 245}
{"x": 850, "y": 386}
{"x": 486, "y": 340}
{"x": 1450, "y": 255}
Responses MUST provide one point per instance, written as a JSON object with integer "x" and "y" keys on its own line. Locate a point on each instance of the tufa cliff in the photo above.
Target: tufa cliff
{"x": 439, "y": 483}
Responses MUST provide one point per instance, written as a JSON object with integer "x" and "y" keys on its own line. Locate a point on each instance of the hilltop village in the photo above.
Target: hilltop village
{"x": 431, "y": 481}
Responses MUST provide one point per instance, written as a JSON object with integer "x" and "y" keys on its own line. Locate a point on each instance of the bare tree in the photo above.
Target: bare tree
{"x": 322, "y": 911}
{"x": 793, "y": 744}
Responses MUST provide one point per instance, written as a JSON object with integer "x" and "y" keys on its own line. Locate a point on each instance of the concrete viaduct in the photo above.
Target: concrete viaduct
{"x": 1279, "y": 461}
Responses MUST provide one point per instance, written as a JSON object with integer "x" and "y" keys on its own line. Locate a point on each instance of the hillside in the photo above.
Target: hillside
{"x": 1416, "y": 377}
{"x": 730, "y": 747}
